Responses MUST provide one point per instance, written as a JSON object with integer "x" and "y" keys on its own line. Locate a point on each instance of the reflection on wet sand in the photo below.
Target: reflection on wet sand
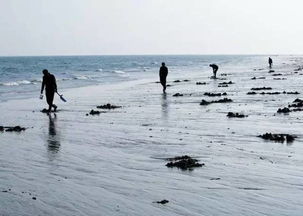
{"x": 53, "y": 140}
{"x": 164, "y": 105}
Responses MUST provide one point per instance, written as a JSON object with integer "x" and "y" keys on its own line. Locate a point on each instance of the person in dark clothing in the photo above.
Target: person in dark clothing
{"x": 49, "y": 82}
{"x": 215, "y": 69}
{"x": 163, "y": 74}
{"x": 270, "y": 62}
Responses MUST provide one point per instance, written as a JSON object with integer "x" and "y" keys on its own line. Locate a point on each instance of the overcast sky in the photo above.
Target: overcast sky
{"x": 100, "y": 27}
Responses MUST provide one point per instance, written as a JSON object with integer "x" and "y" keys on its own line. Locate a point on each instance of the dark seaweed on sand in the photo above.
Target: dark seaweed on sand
{"x": 261, "y": 88}
{"x": 214, "y": 94}
{"x": 201, "y": 83}
{"x": 94, "y": 112}
{"x": 226, "y": 83}
{"x": 278, "y": 137}
{"x": 12, "y": 129}
{"x": 162, "y": 202}
{"x": 178, "y": 95}
{"x": 235, "y": 115}
{"x": 224, "y": 100}
{"x": 108, "y": 106}
{"x": 183, "y": 162}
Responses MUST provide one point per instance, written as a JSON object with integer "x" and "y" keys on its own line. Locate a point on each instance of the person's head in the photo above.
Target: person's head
{"x": 45, "y": 72}
{"x": 163, "y": 63}
{"x": 210, "y": 65}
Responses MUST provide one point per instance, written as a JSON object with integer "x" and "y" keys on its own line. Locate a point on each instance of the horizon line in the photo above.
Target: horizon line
{"x": 79, "y": 55}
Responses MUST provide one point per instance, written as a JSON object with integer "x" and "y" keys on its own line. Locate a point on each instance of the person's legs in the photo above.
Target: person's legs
{"x": 215, "y": 72}
{"x": 50, "y": 99}
{"x": 163, "y": 83}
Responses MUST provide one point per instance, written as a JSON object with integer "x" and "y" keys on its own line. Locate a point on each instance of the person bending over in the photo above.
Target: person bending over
{"x": 215, "y": 69}
{"x": 49, "y": 82}
{"x": 163, "y": 74}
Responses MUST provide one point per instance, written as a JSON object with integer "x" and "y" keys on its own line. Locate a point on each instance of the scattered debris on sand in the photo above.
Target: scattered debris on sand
{"x": 183, "y": 162}
{"x": 186, "y": 80}
{"x": 215, "y": 94}
{"x": 108, "y": 106}
{"x": 94, "y": 112}
{"x": 251, "y": 93}
{"x": 297, "y": 106}
{"x": 226, "y": 83}
{"x": 235, "y": 115}
{"x": 296, "y": 103}
{"x": 279, "y": 79}
{"x": 271, "y": 71}
{"x": 283, "y": 110}
{"x": 222, "y": 86}
{"x": 278, "y": 74}
{"x": 272, "y": 93}
{"x": 255, "y": 78}
{"x": 177, "y": 81}
{"x": 178, "y": 95}
{"x": 261, "y": 88}
{"x": 163, "y": 202}
{"x": 224, "y": 100}
{"x": 12, "y": 129}
{"x": 278, "y": 137}
{"x": 201, "y": 83}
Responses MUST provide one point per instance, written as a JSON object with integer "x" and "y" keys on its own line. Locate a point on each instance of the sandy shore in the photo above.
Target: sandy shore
{"x": 114, "y": 163}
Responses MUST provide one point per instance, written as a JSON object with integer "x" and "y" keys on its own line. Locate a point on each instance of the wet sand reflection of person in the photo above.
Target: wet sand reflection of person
{"x": 53, "y": 141}
{"x": 164, "y": 106}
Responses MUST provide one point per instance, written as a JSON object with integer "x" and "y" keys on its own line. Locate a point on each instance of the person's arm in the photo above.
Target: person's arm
{"x": 42, "y": 85}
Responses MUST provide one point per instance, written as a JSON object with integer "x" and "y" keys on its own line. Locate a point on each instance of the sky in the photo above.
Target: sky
{"x": 130, "y": 27}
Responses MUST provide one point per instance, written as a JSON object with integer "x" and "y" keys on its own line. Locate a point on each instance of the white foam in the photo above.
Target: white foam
{"x": 119, "y": 72}
{"x": 81, "y": 77}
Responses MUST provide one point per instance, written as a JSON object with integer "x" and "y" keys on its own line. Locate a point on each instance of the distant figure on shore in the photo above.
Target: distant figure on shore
{"x": 49, "y": 82}
{"x": 270, "y": 62}
{"x": 215, "y": 69}
{"x": 163, "y": 74}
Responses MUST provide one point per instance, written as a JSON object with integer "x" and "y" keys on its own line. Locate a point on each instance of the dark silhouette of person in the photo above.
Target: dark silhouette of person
{"x": 270, "y": 62}
{"x": 163, "y": 74}
{"x": 215, "y": 69}
{"x": 49, "y": 82}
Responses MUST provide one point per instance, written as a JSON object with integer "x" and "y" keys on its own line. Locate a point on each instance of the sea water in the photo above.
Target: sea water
{"x": 20, "y": 77}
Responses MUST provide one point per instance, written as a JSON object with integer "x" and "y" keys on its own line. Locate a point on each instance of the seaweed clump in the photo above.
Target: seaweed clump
{"x": 224, "y": 100}
{"x": 12, "y": 129}
{"x": 201, "y": 83}
{"x": 214, "y": 94}
{"x": 108, "y": 106}
{"x": 183, "y": 162}
{"x": 261, "y": 88}
{"x": 178, "y": 95}
{"x": 278, "y": 137}
{"x": 235, "y": 115}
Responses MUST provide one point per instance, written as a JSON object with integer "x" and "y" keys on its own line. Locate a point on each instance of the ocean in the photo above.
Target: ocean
{"x": 20, "y": 77}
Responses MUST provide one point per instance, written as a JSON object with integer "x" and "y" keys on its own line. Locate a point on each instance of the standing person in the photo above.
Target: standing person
{"x": 270, "y": 62}
{"x": 49, "y": 82}
{"x": 215, "y": 69}
{"x": 163, "y": 74}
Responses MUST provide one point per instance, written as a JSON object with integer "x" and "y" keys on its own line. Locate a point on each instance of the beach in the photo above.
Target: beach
{"x": 73, "y": 163}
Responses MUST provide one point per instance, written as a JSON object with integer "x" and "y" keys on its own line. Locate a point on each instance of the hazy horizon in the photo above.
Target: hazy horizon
{"x": 157, "y": 27}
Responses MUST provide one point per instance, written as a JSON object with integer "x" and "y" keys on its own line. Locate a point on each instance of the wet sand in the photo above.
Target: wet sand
{"x": 114, "y": 163}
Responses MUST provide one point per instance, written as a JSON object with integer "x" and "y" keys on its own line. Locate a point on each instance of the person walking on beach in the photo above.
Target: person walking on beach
{"x": 49, "y": 82}
{"x": 215, "y": 69}
{"x": 163, "y": 74}
{"x": 270, "y": 62}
